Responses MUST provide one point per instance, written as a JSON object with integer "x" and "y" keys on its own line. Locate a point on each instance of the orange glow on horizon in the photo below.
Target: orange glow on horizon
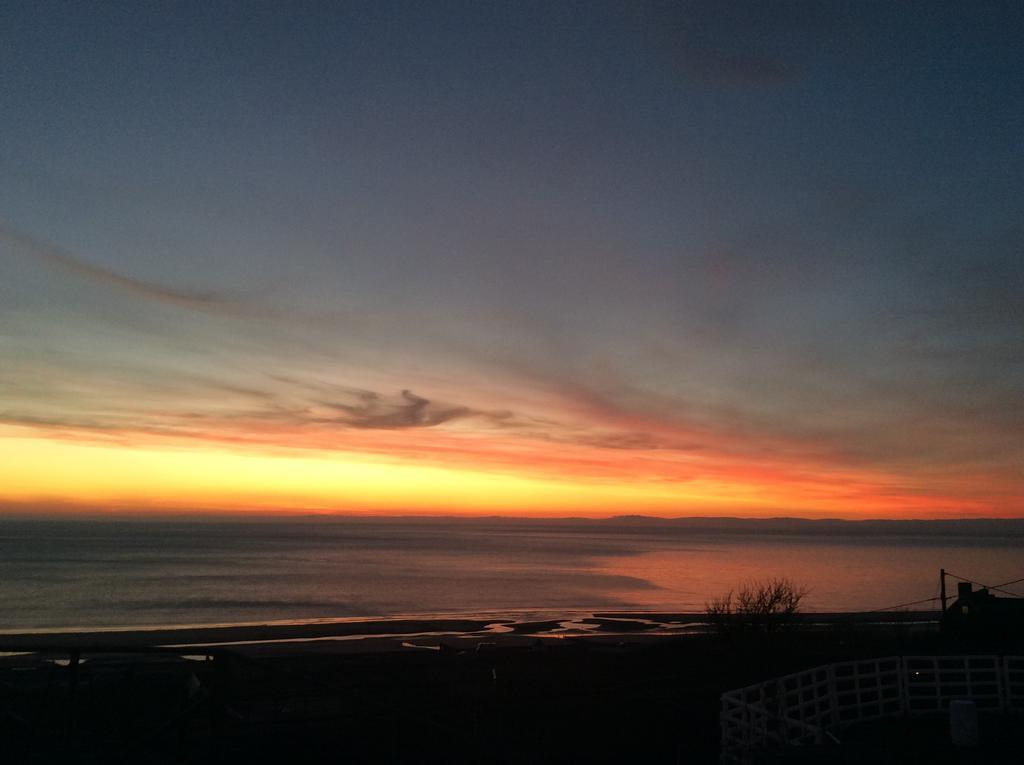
{"x": 506, "y": 478}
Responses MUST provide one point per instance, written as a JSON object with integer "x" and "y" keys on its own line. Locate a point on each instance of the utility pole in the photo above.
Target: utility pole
{"x": 942, "y": 588}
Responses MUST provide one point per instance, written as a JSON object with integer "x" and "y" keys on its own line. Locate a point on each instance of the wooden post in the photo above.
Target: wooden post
{"x": 942, "y": 588}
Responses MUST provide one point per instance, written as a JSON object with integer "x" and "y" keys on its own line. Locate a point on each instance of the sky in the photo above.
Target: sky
{"x": 595, "y": 258}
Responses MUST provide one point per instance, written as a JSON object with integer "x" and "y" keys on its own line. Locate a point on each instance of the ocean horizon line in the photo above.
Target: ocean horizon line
{"x": 219, "y": 516}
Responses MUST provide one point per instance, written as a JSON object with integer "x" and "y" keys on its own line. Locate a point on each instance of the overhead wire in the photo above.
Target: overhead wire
{"x": 997, "y": 588}
{"x": 904, "y": 605}
{"x": 1007, "y": 584}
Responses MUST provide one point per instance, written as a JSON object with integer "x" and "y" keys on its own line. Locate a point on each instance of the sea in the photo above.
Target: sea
{"x": 60, "y": 574}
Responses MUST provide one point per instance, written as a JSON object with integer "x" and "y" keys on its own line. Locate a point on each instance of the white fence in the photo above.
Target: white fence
{"x": 806, "y": 707}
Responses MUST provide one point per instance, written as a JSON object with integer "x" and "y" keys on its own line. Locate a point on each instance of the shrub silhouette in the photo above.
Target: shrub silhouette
{"x": 758, "y": 606}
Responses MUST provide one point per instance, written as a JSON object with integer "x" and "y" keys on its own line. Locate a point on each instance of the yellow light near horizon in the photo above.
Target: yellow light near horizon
{"x": 37, "y": 471}
{"x": 90, "y": 473}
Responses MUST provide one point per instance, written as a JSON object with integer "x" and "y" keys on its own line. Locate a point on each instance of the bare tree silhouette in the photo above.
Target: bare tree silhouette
{"x": 759, "y": 606}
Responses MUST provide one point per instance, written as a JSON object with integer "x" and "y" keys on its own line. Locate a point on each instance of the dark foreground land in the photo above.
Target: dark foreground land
{"x": 512, "y": 698}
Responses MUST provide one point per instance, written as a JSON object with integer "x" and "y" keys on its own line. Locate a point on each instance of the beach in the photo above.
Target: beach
{"x": 431, "y": 691}
{"x": 395, "y": 634}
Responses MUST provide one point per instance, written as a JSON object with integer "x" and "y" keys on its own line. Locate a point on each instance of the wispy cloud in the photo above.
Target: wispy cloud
{"x": 720, "y": 67}
{"x": 372, "y": 410}
{"x": 62, "y": 259}
{"x": 722, "y": 45}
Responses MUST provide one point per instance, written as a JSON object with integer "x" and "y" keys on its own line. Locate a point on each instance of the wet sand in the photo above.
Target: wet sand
{"x": 375, "y": 635}
{"x": 220, "y": 635}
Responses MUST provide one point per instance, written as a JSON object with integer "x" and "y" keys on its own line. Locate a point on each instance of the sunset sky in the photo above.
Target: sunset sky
{"x": 666, "y": 258}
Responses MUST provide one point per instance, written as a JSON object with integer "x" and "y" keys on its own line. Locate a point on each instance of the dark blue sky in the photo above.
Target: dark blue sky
{"x": 791, "y": 226}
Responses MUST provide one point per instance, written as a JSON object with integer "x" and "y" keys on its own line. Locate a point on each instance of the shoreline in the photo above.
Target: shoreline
{"x": 410, "y": 632}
